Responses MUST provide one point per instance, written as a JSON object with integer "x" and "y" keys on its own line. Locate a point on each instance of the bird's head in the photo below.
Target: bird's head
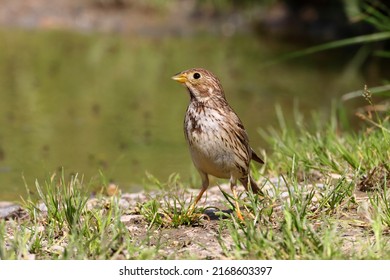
{"x": 201, "y": 84}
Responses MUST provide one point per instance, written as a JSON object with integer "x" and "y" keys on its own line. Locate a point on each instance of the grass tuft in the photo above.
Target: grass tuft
{"x": 65, "y": 223}
{"x": 169, "y": 207}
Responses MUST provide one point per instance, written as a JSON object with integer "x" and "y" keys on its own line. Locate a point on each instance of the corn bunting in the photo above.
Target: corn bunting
{"x": 217, "y": 140}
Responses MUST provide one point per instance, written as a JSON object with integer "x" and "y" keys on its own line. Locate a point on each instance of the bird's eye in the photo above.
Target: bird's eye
{"x": 196, "y": 75}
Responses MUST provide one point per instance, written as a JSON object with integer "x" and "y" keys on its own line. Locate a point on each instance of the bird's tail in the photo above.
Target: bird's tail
{"x": 250, "y": 184}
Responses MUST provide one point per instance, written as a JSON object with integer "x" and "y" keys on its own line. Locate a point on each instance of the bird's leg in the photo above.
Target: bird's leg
{"x": 205, "y": 185}
{"x": 233, "y": 185}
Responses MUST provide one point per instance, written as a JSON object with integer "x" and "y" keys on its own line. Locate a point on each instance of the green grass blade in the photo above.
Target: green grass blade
{"x": 363, "y": 39}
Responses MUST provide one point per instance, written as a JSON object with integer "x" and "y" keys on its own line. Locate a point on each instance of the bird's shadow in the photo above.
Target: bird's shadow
{"x": 217, "y": 214}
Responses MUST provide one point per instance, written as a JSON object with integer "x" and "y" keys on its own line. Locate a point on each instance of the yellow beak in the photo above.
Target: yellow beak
{"x": 181, "y": 78}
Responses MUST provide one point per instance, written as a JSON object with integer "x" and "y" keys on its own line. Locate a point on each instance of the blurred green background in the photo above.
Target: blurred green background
{"x": 86, "y": 87}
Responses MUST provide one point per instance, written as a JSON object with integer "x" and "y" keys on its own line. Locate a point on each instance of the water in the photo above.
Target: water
{"x": 94, "y": 104}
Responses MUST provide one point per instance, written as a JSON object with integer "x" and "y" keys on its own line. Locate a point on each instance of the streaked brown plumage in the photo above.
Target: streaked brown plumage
{"x": 217, "y": 140}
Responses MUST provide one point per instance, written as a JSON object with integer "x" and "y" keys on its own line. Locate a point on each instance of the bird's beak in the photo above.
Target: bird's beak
{"x": 181, "y": 78}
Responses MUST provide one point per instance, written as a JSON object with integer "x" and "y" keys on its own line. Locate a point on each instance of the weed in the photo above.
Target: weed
{"x": 65, "y": 224}
{"x": 169, "y": 207}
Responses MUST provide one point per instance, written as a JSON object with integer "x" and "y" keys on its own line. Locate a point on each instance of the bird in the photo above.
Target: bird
{"x": 217, "y": 140}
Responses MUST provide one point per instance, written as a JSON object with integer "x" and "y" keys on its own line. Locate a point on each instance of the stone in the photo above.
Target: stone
{"x": 8, "y": 209}
{"x": 131, "y": 219}
{"x": 123, "y": 204}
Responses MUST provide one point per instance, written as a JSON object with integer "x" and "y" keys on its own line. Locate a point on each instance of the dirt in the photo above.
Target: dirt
{"x": 185, "y": 242}
{"x": 198, "y": 241}
{"x": 202, "y": 240}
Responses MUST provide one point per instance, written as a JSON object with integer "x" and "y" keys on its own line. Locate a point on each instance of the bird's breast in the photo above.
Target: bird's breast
{"x": 211, "y": 149}
{"x": 203, "y": 124}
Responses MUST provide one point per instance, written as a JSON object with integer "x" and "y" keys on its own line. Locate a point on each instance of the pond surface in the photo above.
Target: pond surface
{"x": 93, "y": 104}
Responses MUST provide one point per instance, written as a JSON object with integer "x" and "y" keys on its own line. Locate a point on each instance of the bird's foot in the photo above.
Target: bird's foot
{"x": 239, "y": 215}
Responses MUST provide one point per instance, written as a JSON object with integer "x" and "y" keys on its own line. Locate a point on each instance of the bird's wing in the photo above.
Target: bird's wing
{"x": 243, "y": 136}
{"x": 255, "y": 157}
